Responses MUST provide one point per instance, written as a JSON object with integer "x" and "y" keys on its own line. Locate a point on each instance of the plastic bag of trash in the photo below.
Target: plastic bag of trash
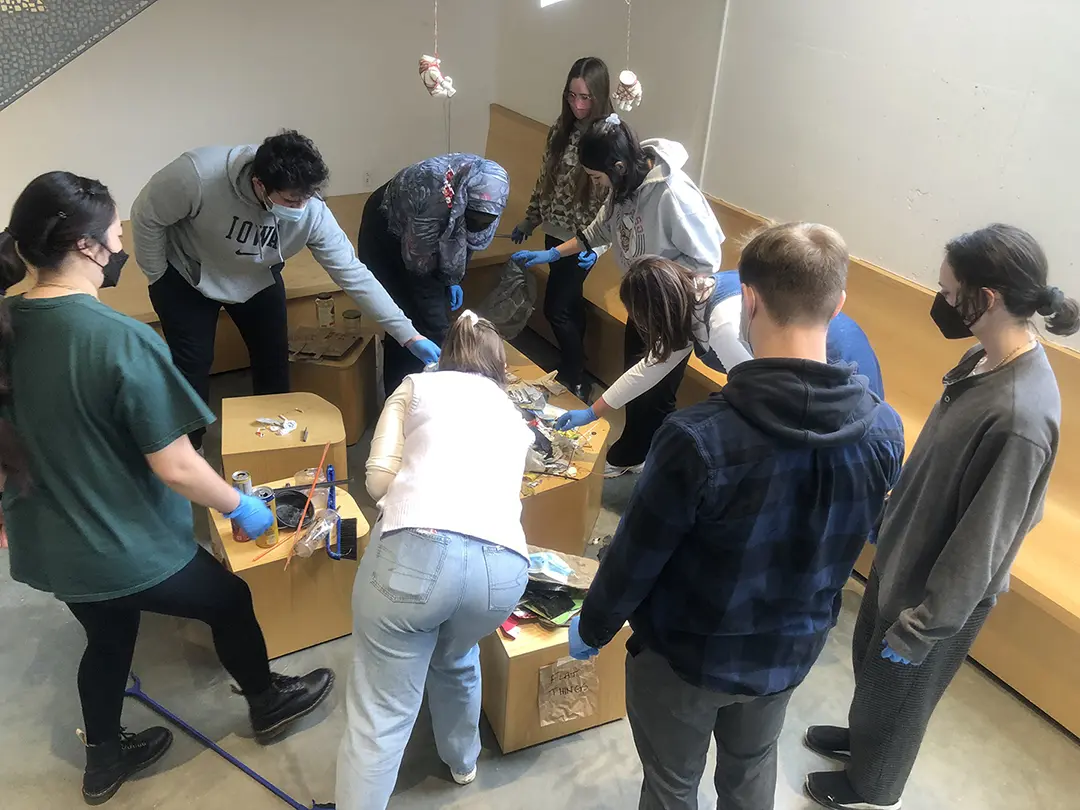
{"x": 510, "y": 305}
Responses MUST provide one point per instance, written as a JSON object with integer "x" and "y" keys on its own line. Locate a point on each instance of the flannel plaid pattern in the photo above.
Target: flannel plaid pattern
{"x": 733, "y": 551}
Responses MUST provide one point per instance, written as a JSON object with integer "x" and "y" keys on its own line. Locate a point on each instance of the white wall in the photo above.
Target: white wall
{"x": 674, "y": 51}
{"x": 188, "y": 73}
{"x": 904, "y": 124}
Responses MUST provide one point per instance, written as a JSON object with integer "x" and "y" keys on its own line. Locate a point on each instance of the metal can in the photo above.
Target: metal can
{"x": 324, "y": 310}
{"x": 241, "y": 480}
{"x": 270, "y": 537}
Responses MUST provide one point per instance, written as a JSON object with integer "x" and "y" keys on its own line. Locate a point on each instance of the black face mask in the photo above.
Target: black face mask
{"x": 478, "y": 221}
{"x": 111, "y": 269}
{"x": 952, "y": 324}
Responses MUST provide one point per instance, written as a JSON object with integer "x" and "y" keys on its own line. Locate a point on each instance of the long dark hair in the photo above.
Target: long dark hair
{"x": 604, "y": 146}
{"x": 594, "y": 72}
{"x": 52, "y": 216}
{"x": 1009, "y": 260}
{"x": 661, "y": 297}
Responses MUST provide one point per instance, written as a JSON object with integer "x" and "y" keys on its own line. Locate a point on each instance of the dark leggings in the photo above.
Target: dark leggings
{"x": 202, "y": 590}
{"x": 564, "y": 308}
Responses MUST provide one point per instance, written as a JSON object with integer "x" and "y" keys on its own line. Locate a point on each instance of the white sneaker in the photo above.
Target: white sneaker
{"x": 465, "y": 779}
{"x": 611, "y": 471}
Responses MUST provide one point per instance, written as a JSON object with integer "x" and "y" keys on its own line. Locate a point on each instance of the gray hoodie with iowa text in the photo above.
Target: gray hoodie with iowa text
{"x": 200, "y": 214}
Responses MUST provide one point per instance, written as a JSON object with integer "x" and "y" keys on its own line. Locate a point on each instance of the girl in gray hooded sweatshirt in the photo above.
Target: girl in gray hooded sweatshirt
{"x": 654, "y": 209}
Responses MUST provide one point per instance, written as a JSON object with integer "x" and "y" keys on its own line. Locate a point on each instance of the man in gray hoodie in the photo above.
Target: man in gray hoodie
{"x": 214, "y": 229}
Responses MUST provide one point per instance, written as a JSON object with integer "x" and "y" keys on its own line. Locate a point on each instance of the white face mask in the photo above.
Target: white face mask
{"x": 744, "y": 329}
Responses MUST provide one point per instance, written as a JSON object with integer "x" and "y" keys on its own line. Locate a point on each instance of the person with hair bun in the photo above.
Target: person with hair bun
{"x": 972, "y": 489}
{"x": 100, "y": 477}
{"x": 446, "y": 564}
{"x": 654, "y": 209}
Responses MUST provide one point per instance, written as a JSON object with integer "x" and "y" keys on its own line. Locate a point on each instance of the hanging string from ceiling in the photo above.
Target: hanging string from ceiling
{"x": 437, "y": 84}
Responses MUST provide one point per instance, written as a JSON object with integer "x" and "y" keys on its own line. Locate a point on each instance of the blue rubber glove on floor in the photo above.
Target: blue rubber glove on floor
{"x": 889, "y": 654}
{"x": 575, "y": 419}
{"x": 457, "y": 297}
{"x": 579, "y": 650}
{"x": 586, "y": 259}
{"x": 427, "y": 351}
{"x": 254, "y": 516}
{"x": 531, "y": 258}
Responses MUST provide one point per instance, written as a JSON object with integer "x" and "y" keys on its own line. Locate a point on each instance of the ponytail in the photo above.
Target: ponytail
{"x": 12, "y": 266}
{"x": 1062, "y": 313}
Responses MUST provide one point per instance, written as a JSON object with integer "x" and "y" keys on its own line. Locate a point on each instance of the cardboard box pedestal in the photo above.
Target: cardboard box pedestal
{"x": 306, "y": 604}
{"x": 511, "y": 685}
{"x": 349, "y": 383}
{"x": 277, "y": 458}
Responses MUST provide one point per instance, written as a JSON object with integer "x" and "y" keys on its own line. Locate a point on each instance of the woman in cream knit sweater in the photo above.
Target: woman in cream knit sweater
{"x": 446, "y": 563}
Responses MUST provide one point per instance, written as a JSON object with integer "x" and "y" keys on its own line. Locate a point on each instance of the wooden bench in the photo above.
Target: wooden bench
{"x": 1032, "y": 640}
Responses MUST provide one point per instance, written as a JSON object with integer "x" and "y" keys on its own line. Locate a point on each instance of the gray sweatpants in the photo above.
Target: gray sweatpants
{"x": 673, "y": 722}
{"x": 893, "y": 702}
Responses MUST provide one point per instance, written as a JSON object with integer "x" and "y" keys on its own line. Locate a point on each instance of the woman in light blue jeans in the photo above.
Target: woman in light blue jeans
{"x": 445, "y": 566}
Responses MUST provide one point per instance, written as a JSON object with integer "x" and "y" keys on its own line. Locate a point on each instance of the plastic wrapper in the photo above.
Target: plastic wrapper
{"x": 510, "y": 305}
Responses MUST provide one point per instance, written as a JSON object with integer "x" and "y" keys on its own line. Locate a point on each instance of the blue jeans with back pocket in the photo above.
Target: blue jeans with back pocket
{"x": 421, "y": 602}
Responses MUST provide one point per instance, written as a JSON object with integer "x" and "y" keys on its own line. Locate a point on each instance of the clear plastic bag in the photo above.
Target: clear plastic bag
{"x": 510, "y": 305}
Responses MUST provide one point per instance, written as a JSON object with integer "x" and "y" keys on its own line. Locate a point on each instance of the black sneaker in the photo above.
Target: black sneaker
{"x": 833, "y": 742}
{"x": 833, "y": 790}
{"x": 110, "y": 764}
{"x": 286, "y": 701}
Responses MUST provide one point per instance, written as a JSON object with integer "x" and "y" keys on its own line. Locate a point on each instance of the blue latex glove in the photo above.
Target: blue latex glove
{"x": 425, "y": 350}
{"x": 457, "y": 297}
{"x": 518, "y": 235}
{"x": 586, "y": 259}
{"x": 254, "y": 516}
{"x": 575, "y": 419}
{"x": 579, "y": 649}
{"x": 889, "y": 654}
{"x": 531, "y": 258}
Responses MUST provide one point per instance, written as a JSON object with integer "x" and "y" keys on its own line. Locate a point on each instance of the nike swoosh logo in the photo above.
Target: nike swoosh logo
{"x": 247, "y": 253}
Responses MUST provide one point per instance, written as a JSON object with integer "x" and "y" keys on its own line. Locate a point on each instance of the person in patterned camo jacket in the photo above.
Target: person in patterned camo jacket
{"x": 564, "y": 202}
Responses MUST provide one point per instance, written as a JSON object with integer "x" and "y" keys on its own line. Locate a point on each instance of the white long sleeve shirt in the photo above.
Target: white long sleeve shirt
{"x": 720, "y": 333}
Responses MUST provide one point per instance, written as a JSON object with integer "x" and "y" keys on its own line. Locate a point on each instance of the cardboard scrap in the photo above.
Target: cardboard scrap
{"x": 312, "y": 343}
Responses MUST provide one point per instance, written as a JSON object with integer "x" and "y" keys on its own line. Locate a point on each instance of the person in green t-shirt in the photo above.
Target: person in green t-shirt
{"x": 99, "y": 473}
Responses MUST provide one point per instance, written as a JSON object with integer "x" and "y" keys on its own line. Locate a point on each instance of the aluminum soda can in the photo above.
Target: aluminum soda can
{"x": 270, "y": 537}
{"x": 241, "y": 480}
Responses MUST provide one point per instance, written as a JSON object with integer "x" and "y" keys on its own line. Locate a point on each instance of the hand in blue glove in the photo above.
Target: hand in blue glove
{"x": 579, "y": 649}
{"x": 586, "y": 259}
{"x": 889, "y": 654}
{"x": 254, "y": 516}
{"x": 425, "y": 350}
{"x": 575, "y": 419}
{"x": 520, "y": 234}
{"x": 457, "y": 297}
{"x": 531, "y": 258}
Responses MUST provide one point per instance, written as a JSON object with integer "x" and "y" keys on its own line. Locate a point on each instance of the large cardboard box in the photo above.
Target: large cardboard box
{"x": 300, "y": 606}
{"x": 348, "y": 382}
{"x": 512, "y": 685}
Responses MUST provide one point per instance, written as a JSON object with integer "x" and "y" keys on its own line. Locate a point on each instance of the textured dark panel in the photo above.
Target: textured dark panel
{"x": 37, "y": 37}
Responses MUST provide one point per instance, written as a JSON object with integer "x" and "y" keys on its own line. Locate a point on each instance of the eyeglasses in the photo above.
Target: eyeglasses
{"x": 572, "y": 97}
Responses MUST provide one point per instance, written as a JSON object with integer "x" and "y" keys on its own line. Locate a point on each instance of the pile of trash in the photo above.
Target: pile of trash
{"x": 556, "y": 591}
{"x": 553, "y": 451}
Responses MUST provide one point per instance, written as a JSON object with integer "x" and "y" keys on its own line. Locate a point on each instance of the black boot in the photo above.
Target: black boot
{"x": 287, "y": 700}
{"x": 110, "y": 764}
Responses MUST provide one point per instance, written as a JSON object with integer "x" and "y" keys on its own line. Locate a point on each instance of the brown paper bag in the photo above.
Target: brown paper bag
{"x": 569, "y": 690}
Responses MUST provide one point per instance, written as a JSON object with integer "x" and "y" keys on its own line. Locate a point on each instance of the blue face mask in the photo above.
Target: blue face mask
{"x": 288, "y": 214}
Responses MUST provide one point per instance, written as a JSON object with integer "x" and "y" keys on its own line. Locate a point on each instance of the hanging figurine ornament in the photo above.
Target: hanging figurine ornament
{"x": 627, "y": 93}
{"x": 438, "y": 85}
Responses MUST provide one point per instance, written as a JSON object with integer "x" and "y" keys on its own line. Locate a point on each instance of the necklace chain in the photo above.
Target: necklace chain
{"x": 1010, "y": 356}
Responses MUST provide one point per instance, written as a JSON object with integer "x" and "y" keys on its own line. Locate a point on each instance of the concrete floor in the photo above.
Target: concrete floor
{"x": 986, "y": 749}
